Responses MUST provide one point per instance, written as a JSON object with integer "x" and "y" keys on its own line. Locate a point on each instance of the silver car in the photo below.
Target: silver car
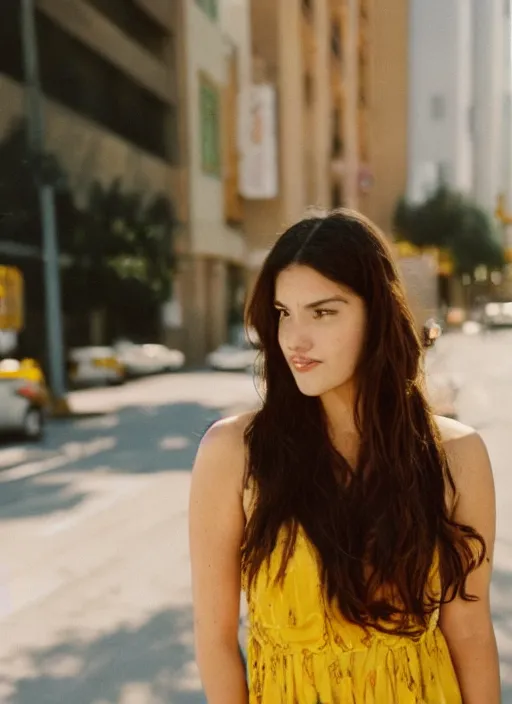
{"x": 23, "y": 399}
{"x": 143, "y": 360}
{"x": 241, "y": 357}
{"x": 94, "y": 365}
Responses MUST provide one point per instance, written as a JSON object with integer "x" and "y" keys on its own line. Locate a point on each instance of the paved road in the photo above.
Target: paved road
{"x": 481, "y": 366}
{"x": 94, "y": 579}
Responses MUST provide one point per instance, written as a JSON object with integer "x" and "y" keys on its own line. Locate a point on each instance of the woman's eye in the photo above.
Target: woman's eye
{"x": 323, "y": 313}
{"x": 282, "y": 313}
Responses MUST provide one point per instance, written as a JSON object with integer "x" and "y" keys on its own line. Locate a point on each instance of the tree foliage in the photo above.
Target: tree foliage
{"x": 451, "y": 221}
{"x": 121, "y": 237}
{"x": 116, "y": 251}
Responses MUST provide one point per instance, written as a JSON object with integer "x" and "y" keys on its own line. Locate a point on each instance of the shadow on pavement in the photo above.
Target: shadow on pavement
{"x": 151, "y": 439}
{"x": 142, "y": 428}
{"x": 150, "y": 664}
{"x": 28, "y": 500}
{"x": 145, "y": 439}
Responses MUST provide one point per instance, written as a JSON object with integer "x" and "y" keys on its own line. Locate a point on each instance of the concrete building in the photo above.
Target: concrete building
{"x": 146, "y": 91}
{"x": 385, "y": 73}
{"x": 109, "y": 76}
{"x": 459, "y": 52}
{"x": 491, "y": 47}
{"x": 340, "y": 75}
{"x": 111, "y": 96}
{"x": 306, "y": 59}
{"x": 440, "y": 96}
{"x": 209, "y": 289}
{"x": 460, "y": 126}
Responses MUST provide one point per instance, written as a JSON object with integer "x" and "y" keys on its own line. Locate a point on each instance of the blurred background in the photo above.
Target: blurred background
{"x": 150, "y": 153}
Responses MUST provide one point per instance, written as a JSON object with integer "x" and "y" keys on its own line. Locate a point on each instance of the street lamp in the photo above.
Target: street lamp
{"x": 35, "y": 124}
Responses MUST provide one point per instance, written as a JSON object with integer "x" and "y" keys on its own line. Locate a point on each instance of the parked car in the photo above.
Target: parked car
{"x": 498, "y": 314}
{"x": 90, "y": 366}
{"x": 23, "y": 398}
{"x": 241, "y": 357}
{"x": 142, "y": 360}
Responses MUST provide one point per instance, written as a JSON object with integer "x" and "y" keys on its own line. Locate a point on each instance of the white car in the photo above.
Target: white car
{"x": 233, "y": 357}
{"x": 142, "y": 360}
{"x": 498, "y": 314}
{"x": 23, "y": 398}
{"x": 90, "y": 366}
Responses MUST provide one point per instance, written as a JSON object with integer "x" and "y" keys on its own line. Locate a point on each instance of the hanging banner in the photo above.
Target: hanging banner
{"x": 258, "y": 142}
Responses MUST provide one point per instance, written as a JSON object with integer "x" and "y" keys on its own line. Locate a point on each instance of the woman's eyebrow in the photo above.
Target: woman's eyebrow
{"x": 323, "y": 301}
{"x": 315, "y": 304}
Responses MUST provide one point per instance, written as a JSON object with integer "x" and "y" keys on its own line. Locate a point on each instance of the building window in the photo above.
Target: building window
{"x": 336, "y": 139}
{"x": 11, "y": 57}
{"x": 132, "y": 20}
{"x": 308, "y": 89}
{"x": 210, "y": 7}
{"x": 209, "y": 104}
{"x": 90, "y": 85}
{"x": 307, "y": 7}
{"x": 336, "y": 196}
{"x": 336, "y": 146}
{"x": 336, "y": 39}
{"x": 437, "y": 107}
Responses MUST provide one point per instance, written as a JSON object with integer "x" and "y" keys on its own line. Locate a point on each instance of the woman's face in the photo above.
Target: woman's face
{"x": 321, "y": 329}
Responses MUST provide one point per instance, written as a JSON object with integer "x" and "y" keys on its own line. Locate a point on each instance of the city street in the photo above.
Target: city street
{"x": 95, "y": 604}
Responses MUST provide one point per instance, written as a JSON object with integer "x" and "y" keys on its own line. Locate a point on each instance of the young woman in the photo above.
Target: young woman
{"x": 360, "y": 526}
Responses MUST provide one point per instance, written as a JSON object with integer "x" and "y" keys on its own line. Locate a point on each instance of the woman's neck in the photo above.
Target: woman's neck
{"x": 339, "y": 408}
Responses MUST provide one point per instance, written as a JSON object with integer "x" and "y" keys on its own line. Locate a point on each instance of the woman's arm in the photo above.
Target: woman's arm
{"x": 467, "y": 625}
{"x": 216, "y": 523}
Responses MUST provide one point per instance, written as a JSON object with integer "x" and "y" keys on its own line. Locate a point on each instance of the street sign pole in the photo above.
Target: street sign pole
{"x": 35, "y": 124}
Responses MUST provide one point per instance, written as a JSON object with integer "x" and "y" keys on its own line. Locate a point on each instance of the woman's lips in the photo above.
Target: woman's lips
{"x": 304, "y": 364}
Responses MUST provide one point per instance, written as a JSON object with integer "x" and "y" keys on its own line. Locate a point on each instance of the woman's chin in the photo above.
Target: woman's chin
{"x": 311, "y": 387}
{"x": 322, "y": 387}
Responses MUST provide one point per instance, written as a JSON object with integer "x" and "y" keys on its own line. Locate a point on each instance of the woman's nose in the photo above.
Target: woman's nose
{"x": 297, "y": 339}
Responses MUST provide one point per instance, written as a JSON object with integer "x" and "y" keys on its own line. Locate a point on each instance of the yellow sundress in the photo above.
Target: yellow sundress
{"x": 298, "y": 653}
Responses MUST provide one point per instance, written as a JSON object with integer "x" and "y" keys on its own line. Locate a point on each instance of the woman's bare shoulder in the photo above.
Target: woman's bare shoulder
{"x": 465, "y": 450}
{"x": 452, "y": 430}
{"x": 229, "y": 433}
{"x": 222, "y": 449}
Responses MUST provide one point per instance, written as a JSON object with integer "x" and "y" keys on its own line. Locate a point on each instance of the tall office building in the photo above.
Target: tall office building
{"x": 457, "y": 97}
{"x": 109, "y": 79}
{"x": 111, "y": 102}
{"x": 441, "y": 100}
{"x": 210, "y": 282}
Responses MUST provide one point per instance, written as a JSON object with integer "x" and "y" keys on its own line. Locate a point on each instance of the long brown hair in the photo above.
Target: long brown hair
{"x": 378, "y": 525}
